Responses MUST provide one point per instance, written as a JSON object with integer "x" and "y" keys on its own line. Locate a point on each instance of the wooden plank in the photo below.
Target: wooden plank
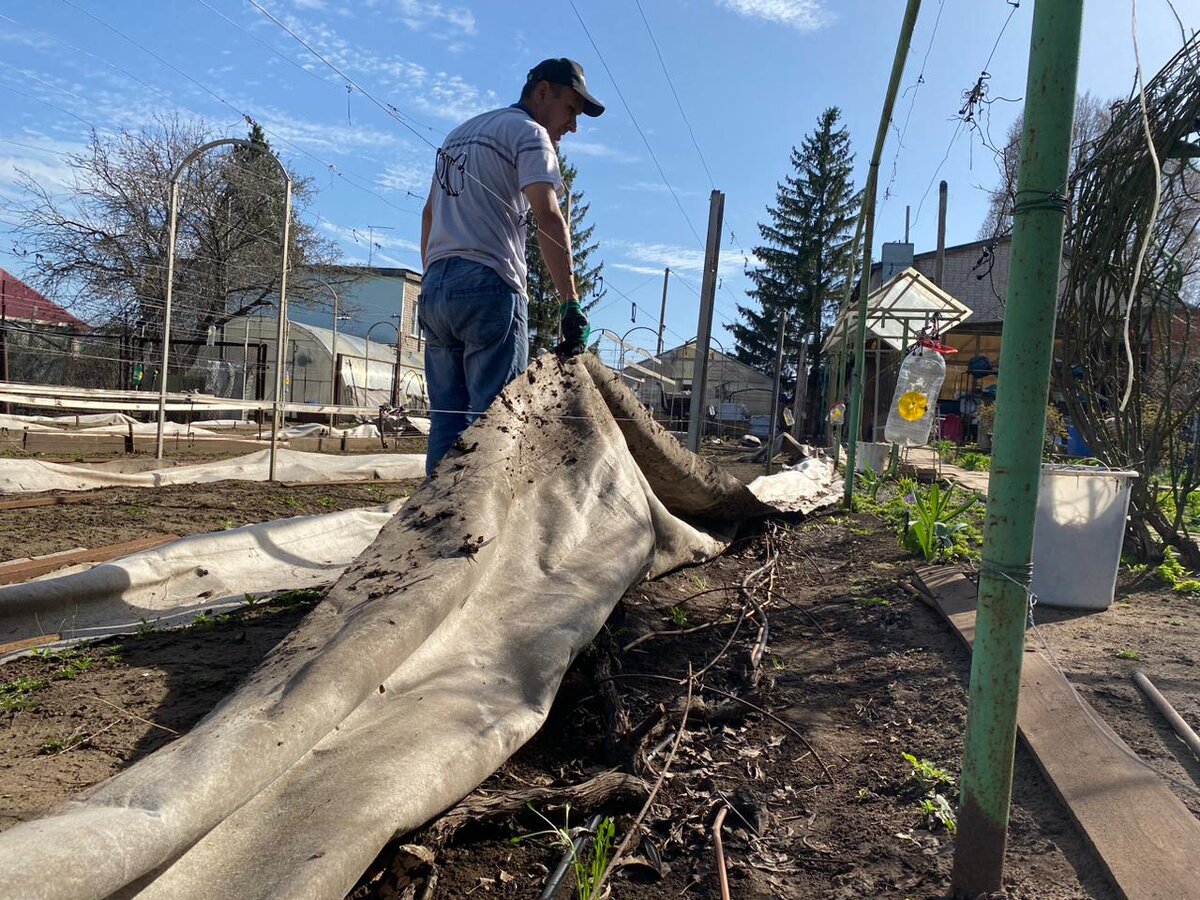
{"x": 28, "y": 643}
{"x": 29, "y": 502}
{"x": 24, "y": 569}
{"x": 1146, "y": 839}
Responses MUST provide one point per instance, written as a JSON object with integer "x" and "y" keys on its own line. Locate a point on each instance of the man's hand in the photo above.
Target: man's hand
{"x": 575, "y": 330}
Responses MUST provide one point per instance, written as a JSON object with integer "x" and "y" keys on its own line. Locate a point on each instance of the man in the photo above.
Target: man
{"x": 491, "y": 173}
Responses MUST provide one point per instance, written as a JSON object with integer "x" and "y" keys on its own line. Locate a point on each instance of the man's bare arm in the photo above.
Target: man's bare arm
{"x": 553, "y": 238}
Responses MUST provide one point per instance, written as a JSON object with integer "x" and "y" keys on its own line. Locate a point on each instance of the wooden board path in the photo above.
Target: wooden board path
{"x": 1147, "y": 841}
{"x": 20, "y": 570}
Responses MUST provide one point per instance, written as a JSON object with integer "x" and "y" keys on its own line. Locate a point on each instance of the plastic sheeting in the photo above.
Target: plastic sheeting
{"x": 432, "y": 659}
{"x": 31, "y": 475}
{"x": 171, "y": 584}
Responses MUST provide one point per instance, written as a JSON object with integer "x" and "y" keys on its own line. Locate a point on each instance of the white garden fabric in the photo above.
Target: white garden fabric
{"x": 433, "y": 658}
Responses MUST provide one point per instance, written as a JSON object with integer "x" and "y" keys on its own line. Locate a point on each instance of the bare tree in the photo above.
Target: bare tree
{"x": 1130, "y": 366}
{"x": 1092, "y": 119}
{"x": 102, "y": 249}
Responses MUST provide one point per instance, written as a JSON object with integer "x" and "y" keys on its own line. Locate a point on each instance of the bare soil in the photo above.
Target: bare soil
{"x": 856, "y": 674}
{"x": 107, "y": 516}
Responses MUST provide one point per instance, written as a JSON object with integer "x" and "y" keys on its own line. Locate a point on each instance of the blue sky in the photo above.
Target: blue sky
{"x": 751, "y": 76}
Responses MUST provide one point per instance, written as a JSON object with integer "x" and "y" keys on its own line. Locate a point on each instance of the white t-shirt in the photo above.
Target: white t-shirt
{"x": 482, "y": 215}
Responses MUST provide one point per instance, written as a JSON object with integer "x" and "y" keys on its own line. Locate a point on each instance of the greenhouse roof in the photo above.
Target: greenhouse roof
{"x": 899, "y": 309}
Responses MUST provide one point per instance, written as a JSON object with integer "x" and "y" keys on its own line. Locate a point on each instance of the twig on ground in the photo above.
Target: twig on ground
{"x": 650, "y": 635}
{"x": 719, "y": 850}
{"x": 600, "y": 789}
{"x": 87, "y": 737}
{"x": 736, "y": 699}
{"x": 134, "y": 715}
{"x": 641, "y": 816}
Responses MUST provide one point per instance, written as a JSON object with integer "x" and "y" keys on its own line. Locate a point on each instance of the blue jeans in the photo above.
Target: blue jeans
{"x": 476, "y": 341}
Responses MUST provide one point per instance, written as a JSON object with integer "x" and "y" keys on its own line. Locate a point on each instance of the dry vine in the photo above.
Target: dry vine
{"x": 1112, "y": 196}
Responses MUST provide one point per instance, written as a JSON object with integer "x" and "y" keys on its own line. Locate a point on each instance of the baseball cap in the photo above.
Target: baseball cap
{"x": 568, "y": 72}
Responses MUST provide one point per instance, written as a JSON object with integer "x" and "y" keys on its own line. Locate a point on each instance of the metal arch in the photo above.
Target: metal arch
{"x": 171, "y": 235}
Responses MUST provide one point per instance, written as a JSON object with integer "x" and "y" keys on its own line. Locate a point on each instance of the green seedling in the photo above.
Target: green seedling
{"x": 301, "y": 597}
{"x": 1172, "y": 573}
{"x": 74, "y": 667}
{"x": 937, "y": 811}
{"x": 326, "y": 502}
{"x": 590, "y": 861}
{"x": 53, "y": 745}
{"x": 872, "y": 601}
{"x": 974, "y": 462}
{"x": 926, "y": 774}
{"x": 292, "y": 502}
{"x": 16, "y": 694}
{"x": 1128, "y": 654}
{"x": 678, "y": 616}
{"x": 932, "y": 526}
{"x": 1174, "y": 623}
{"x": 698, "y": 582}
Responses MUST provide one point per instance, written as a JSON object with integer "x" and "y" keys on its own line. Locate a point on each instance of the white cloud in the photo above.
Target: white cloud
{"x": 42, "y": 158}
{"x": 637, "y": 270}
{"x": 309, "y": 4}
{"x": 364, "y": 237}
{"x": 657, "y": 187}
{"x": 574, "y": 147}
{"x": 417, "y": 15}
{"x": 676, "y": 258}
{"x": 803, "y": 15}
{"x": 406, "y": 177}
{"x": 438, "y": 94}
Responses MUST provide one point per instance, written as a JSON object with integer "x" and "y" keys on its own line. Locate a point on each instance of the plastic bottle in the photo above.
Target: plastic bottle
{"x": 914, "y": 405}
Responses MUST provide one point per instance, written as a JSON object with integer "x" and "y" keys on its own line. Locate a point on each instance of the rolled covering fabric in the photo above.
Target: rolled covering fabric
{"x": 434, "y": 657}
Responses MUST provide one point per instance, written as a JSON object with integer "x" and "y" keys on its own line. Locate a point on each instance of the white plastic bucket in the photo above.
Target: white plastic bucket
{"x": 1077, "y": 535}
{"x": 873, "y": 455}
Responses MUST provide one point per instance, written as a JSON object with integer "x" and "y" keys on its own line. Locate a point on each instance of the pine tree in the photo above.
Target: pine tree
{"x": 543, "y": 299}
{"x": 805, "y": 251}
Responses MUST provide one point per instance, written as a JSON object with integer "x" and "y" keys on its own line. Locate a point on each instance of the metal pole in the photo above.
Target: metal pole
{"x": 166, "y": 342}
{"x": 939, "y": 262}
{"x": 708, "y": 291}
{"x": 800, "y": 396}
{"x": 783, "y": 317}
{"x": 875, "y": 409}
{"x": 333, "y": 369}
{"x": 662, "y": 314}
{"x": 860, "y": 339}
{"x": 1025, "y": 355}
{"x": 399, "y": 350}
{"x": 281, "y": 334}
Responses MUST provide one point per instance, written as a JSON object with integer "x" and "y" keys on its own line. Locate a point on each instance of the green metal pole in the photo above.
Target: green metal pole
{"x": 1025, "y": 357}
{"x": 860, "y": 337}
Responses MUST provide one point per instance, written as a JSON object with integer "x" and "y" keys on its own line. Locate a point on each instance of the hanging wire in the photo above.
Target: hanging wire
{"x": 633, "y": 119}
{"x": 914, "y": 88}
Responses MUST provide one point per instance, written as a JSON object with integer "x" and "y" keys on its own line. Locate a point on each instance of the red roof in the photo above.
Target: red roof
{"x": 21, "y": 302}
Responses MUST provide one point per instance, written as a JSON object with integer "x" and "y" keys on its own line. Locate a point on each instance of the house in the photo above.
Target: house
{"x": 735, "y": 392}
{"x": 40, "y": 341}
{"x": 21, "y": 304}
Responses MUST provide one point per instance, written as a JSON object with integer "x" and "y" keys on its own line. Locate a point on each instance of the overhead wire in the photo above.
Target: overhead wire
{"x": 662, "y": 174}
{"x": 973, "y": 96}
{"x": 916, "y": 87}
{"x": 244, "y": 115}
